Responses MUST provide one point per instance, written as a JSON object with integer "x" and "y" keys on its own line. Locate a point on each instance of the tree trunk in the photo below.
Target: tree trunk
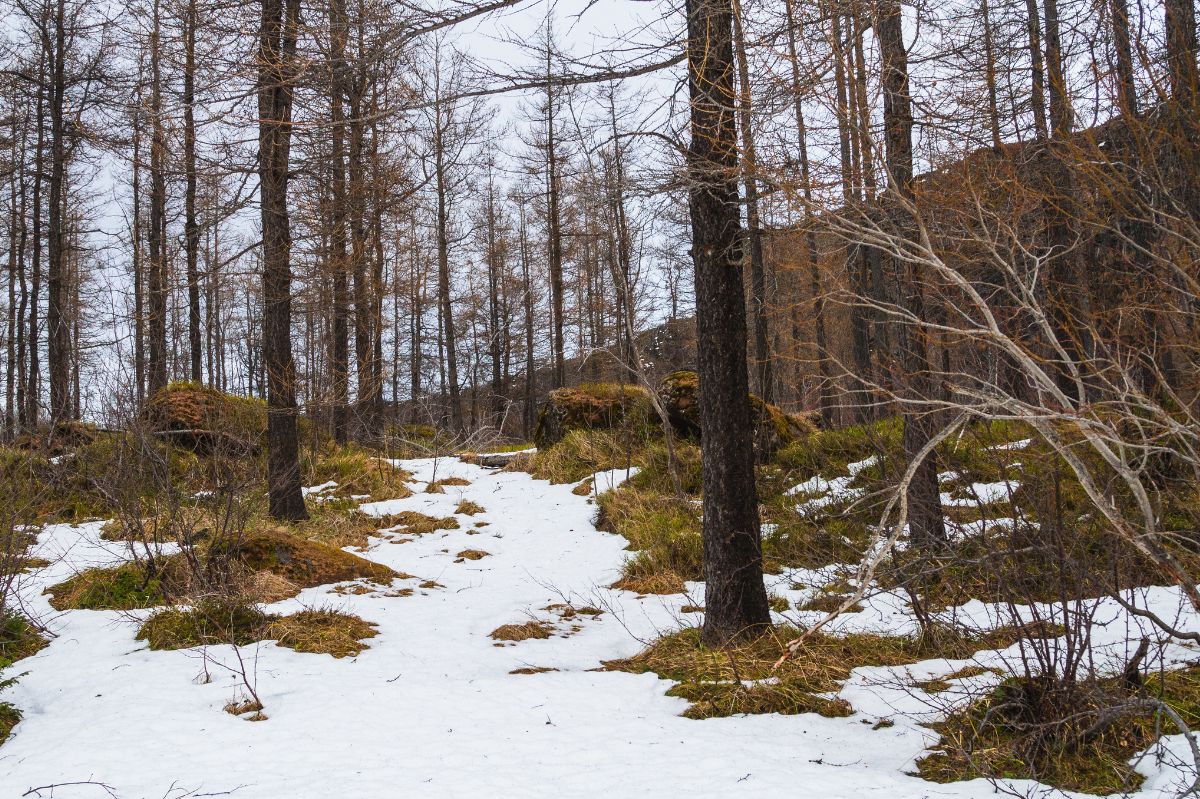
{"x": 339, "y": 356}
{"x": 758, "y": 272}
{"x": 735, "y": 599}
{"x": 59, "y": 349}
{"x": 277, "y": 57}
{"x": 156, "y": 240}
{"x": 191, "y": 225}
{"x": 925, "y": 519}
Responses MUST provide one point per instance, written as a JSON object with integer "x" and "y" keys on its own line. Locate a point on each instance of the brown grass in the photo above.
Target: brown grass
{"x": 468, "y": 508}
{"x": 472, "y": 554}
{"x": 323, "y": 631}
{"x": 667, "y": 582}
{"x": 522, "y": 632}
{"x": 412, "y": 523}
{"x": 532, "y": 670}
{"x": 715, "y": 681}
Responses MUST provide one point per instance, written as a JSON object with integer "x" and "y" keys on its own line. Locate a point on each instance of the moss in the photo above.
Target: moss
{"x": 304, "y": 563}
{"x": 1066, "y": 736}
{"x": 521, "y": 632}
{"x": 211, "y": 621}
{"x": 594, "y": 406}
{"x": 206, "y": 420}
{"x": 124, "y": 587}
{"x": 744, "y": 679}
{"x": 9, "y": 718}
{"x": 18, "y": 638}
{"x": 323, "y": 631}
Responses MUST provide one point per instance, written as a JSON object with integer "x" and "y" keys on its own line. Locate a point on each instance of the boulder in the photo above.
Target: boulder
{"x": 593, "y": 406}
{"x": 205, "y": 420}
{"x": 773, "y": 428}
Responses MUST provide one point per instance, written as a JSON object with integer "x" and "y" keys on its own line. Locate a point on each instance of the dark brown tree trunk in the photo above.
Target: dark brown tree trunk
{"x": 735, "y": 598}
{"x": 825, "y": 392}
{"x": 1036, "y": 69}
{"x": 449, "y": 334}
{"x": 758, "y": 272}
{"x": 191, "y": 226}
{"x": 279, "y": 29}
{"x": 926, "y": 523}
{"x": 156, "y": 240}
{"x": 339, "y": 356}
{"x": 554, "y": 228}
{"x": 59, "y": 332}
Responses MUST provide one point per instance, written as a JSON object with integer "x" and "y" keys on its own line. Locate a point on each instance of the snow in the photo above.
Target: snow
{"x": 431, "y": 710}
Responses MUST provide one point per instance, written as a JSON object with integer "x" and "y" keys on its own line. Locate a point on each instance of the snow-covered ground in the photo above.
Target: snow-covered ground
{"x": 432, "y": 710}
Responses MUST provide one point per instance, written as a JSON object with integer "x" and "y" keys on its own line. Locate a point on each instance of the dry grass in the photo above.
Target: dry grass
{"x": 323, "y": 631}
{"x": 305, "y": 563}
{"x": 236, "y": 708}
{"x": 1075, "y": 741}
{"x": 214, "y": 620}
{"x": 439, "y": 486}
{"x": 410, "y": 522}
{"x": 522, "y": 632}
{"x": 656, "y": 583}
{"x": 472, "y": 554}
{"x": 468, "y": 508}
{"x": 532, "y": 670}
{"x": 357, "y": 472}
{"x": 742, "y": 679}
{"x": 584, "y": 489}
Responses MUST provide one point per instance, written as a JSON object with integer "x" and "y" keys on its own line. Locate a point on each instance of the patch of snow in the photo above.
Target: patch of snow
{"x": 431, "y": 708}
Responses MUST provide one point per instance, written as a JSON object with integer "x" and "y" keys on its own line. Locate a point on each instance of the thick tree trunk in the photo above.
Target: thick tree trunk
{"x": 735, "y": 599}
{"x": 277, "y": 56}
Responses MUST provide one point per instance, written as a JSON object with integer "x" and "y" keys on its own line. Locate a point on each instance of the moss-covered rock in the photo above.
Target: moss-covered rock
{"x": 773, "y": 428}
{"x": 594, "y": 406}
{"x": 306, "y": 564}
{"x": 206, "y": 420}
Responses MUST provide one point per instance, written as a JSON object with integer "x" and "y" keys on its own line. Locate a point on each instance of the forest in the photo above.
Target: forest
{"x": 557, "y": 398}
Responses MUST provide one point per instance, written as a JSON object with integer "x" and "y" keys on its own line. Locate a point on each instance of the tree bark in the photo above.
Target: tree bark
{"x": 278, "y": 32}
{"x": 735, "y": 598}
{"x": 925, "y": 519}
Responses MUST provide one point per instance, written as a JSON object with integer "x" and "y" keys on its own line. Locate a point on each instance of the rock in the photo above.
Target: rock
{"x": 773, "y": 428}
{"x": 205, "y": 420}
{"x": 592, "y": 406}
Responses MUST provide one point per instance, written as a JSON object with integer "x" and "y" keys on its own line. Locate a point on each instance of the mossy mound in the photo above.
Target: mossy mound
{"x": 18, "y": 638}
{"x": 210, "y": 622}
{"x": 1081, "y": 738}
{"x": 9, "y": 718}
{"x": 594, "y": 406}
{"x": 322, "y": 631}
{"x": 58, "y": 439}
{"x": 218, "y": 620}
{"x": 306, "y": 564}
{"x": 773, "y": 429}
{"x": 206, "y": 420}
{"x": 124, "y": 587}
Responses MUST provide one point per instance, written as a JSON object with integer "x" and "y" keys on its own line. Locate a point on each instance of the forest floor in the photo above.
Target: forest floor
{"x": 437, "y": 707}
